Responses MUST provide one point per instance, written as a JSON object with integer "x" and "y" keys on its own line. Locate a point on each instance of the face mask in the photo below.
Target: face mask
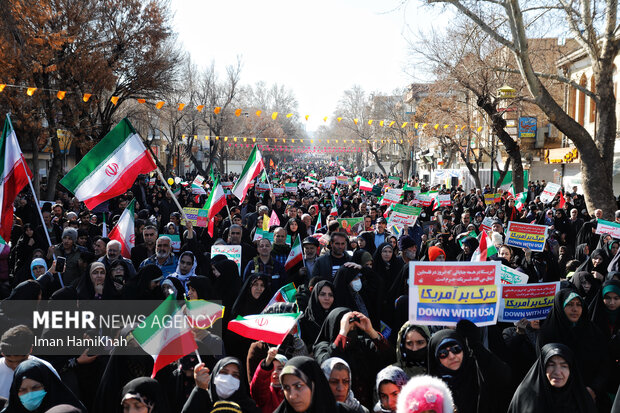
{"x": 32, "y": 400}
{"x": 356, "y": 285}
{"x": 418, "y": 356}
{"x": 225, "y": 385}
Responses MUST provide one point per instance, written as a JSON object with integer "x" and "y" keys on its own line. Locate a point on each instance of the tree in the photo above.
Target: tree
{"x": 593, "y": 25}
{"x": 355, "y": 110}
{"x": 118, "y": 48}
{"x": 466, "y": 57}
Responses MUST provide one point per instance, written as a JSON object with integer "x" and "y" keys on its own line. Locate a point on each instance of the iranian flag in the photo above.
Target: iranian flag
{"x": 286, "y": 294}
{"x": 318, "y": 223}
{"x": 485, "y": 248}
{"x": 270, "y": 328}
{"x": 123, "y": 231}
{"x": 334, "y": 210}
{"x": 252, "y": 168}
{"x": 203, "y": 314}
{"x": 165, "y": 335}
{"x": 111, "y": 167}
{"x": 520, "y": 200}
{"x": 15, "y": 175}
{"x": 216, "y": 200}
{"x": 365, "y": 185}
{"x": 295, "y": 256}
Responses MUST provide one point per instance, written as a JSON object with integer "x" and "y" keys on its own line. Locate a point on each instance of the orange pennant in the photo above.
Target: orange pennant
{"x": 258, "y": 113}
{"x": 61, "y": 94}
{"x": 181, "y": 106}
{"x": 141, "y": 101}
{"x": 160, "y": 104}
{"x": 86, "y": 97}
{"x": 199, "y": 108}
{"x": 2, "y": 86}
{"x": 238, "y": 112}
{"x": 30, "y": 91}
{"x": 217, "y": 110}
{"x": 114, "y": 100}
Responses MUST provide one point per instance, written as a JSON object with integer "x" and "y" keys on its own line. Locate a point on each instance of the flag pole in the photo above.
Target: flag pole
{"x": 36, "y": 201}
{"x": 174, "y": 198}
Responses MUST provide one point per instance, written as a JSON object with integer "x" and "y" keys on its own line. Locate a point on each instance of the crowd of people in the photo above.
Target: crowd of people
{"x": 354, "y": 348}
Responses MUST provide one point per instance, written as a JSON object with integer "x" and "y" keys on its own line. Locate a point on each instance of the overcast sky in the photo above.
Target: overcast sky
{"x": 318, "y": 49}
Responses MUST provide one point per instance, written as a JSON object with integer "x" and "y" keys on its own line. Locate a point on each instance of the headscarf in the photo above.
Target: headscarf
{"x": 606, "y": 320}
{"x": 36, "y": 262}
{"x": 386, "y": 271}
{"x": 56, "y": 392}
{"x": 146, "y": 275}
{"x": 246, "y": 304}
{"x": 412, "y": 362}
{"x": 309, "y": 371}
{"x": 583, "y": 337}
{"x": 578, "y": 280}
{"x": 242, "y": 395}
{"x": 226, "y": 287}
{"x": 192, "y": 271}
{"x": 86, "y": 289}
{"x": 327, "y": 366}
{"x": 202, "y": 285}
{"x": 147, "y": 391}
{"x": 536, "y": 395}
{"x": 588, "y": 265}
{"x": 330, "y": 328}
{"x": 344, "y": 296}
{"x": 391, "y": 374}
{"x": 315, "y": 314}
{"x": 464, "y": 382}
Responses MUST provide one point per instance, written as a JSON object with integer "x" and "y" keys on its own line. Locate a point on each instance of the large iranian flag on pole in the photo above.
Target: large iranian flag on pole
{"x": 216, "y": 200}
{"x": 164, "y": 340}
{"x": 270, "y": 328}
{"x": 124, "y": 231}
{"x": 251, "y": 170}
{"x": 15, "y": 175}
{"x": 111, "y": 167}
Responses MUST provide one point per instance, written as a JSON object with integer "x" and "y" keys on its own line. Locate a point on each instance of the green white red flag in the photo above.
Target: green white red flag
{"x": 295, "y": 256}
{"x": 286, "y": 294}
{"x": 124, "y": 231}
{"x": 365, "y": 185}
{"x": 111, "y": 167}
{"x": 520, "y": 200}
{"x": 334, "y": 210}
{"x": 270, "y": 328}
{"x": 485, "y": 248}
{"x": 251, "y": 170}
{"x": 164, "y": 340}
{"x": 203, "y": 314}
{"x": 318, "y": 225}
{"x": 216, "y": 200}
{"x": 15, "y": 175}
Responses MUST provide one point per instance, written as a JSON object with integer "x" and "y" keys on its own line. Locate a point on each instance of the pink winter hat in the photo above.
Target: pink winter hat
{"x": 424, "y": 393}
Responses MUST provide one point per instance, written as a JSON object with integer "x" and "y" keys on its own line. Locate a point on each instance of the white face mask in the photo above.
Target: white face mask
{"x": 225, "y": 385}
{"x": 356, "y": 285}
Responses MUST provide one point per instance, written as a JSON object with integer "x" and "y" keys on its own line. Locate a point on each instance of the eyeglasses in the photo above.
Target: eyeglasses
{"x": 445, "y": 352}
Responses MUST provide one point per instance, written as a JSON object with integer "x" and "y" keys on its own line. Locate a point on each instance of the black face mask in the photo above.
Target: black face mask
{"x": 416, "y": 357}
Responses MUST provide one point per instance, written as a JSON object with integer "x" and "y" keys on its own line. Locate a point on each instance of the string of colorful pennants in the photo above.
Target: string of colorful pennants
{"x": 61, "y": 94}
